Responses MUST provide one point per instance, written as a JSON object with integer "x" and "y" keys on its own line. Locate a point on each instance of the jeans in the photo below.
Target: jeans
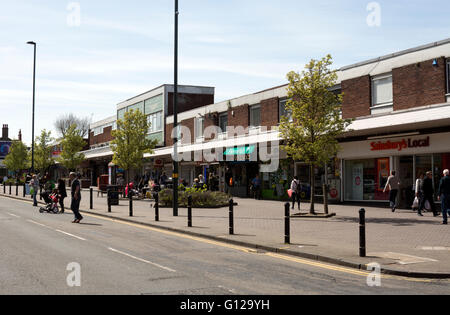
{"x": 393, "y": 198}
{"x": 430, "y": 199}
{"x": 445, "y": 200}
{"x": 75, "y": 207}
{"x": 35, "y": 199}
{"x": 295, "y": 197}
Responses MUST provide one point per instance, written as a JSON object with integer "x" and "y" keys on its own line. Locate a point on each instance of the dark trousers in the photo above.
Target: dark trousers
{"x": 257, "y": 192}
{"x": 430, "y": 199}
{"x": 295, "y": 198}
{"x": 61, "y": 204}
{"x": 393, "y": 198}
{"x": 75, "y": 207}
{"x": 445, "y": 204}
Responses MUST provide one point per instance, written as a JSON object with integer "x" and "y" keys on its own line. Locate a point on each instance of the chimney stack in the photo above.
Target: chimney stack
{"x": 5, "y": 132}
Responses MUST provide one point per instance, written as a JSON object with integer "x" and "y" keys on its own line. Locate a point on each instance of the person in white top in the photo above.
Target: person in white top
{"x": 393, "y": 183}
{"x": 295, "y": 187}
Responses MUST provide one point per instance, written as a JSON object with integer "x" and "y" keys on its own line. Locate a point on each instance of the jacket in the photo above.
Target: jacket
{"x": 444, "y": 186}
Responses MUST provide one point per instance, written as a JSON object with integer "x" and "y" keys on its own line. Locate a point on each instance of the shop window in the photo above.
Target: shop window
{"x": 365, "y": 179}
{"x": 382, "y": 90}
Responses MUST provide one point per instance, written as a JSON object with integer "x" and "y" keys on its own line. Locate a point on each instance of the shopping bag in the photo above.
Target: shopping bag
{"x": 32, "y": 191}
{"x": 290, "y": 191}
{"x": 427, "y": 205}
{"x": 415, "y": 204}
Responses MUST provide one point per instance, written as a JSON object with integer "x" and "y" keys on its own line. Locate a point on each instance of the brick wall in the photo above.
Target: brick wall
{"x": 240, "y": 117}
{"x": 419, "y": 84}
{"x": 270, "y": 113}
{"x": 357, "y": 97}
{"x": 168, "y": 135}
{"x": 104, "y": 137}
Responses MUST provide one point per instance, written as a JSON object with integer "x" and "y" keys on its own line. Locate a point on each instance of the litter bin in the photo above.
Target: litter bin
{"x": 113, "y": 195}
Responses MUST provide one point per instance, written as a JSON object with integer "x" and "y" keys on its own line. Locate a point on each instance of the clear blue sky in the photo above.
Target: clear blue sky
{"x": 123, "y": 48}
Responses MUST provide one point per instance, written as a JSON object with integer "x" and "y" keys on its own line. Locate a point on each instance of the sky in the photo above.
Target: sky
{"x": 95, "y": 54}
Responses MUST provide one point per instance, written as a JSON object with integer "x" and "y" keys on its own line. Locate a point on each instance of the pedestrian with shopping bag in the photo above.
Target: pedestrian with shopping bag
{"x": 418, "y": 192}
{"x": 444, "y": 195}
{"x": 428, "y": 195}
{"x": 295, "y": 192}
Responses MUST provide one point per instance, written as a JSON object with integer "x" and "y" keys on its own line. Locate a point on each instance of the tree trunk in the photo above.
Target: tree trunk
{"x": 312, "y": 211}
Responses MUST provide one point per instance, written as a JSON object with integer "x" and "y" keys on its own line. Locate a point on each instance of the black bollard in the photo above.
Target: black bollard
{"x": 4, "y": 188}
{"x": 231, "y": 215}
{"x": 10, "y": 185}
{"x": 190, "y": 211}
{"x": 287, "y": 224}
{"x": 24, "y": 190}
{"x": 130, "y": 195}
{"x": 362, "y": 233}
{"x": 17, "y": 189}
{"x": 91, "y": 200}
{"x": 109, "y": 205}
{"x": 156, "y": 207}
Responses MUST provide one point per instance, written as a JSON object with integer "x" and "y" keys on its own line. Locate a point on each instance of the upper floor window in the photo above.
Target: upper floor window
{"x": 283, "y": 111}
{"x": 255, "y": 116}
{"x": 223, "y": 122}
{"x": 382, "y": 90}
{"x": 199, "y": 127}
{"x": 155, "y": 121}
{"x": 448, "y": 76}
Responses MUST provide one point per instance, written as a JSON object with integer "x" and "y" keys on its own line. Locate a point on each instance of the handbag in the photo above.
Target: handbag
{"x": 427, "y": 205}
{"x": 290, "y": 191}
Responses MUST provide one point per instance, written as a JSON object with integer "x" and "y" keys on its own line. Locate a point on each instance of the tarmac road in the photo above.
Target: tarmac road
{"x": 123, "y": 258}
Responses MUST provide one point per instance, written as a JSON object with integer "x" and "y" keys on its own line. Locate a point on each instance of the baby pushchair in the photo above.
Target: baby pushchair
{"x": 51, "y": 201}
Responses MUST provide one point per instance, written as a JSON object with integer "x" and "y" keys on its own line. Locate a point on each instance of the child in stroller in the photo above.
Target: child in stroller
{"x": 51, "y": 201}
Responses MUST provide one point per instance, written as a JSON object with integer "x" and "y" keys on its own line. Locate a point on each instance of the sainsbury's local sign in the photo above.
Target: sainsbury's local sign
{"x": 400, "y": 145}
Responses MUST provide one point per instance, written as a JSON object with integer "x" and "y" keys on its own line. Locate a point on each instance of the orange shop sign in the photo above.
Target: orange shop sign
{"x": 400, "y": 145}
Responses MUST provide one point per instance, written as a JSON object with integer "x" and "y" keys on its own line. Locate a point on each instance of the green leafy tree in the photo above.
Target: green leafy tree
{"x": 43, "y": 151}
{"x": 17, "y": 158}
{"x": 311, "y": 133}
{"x": 131, "y": 142}
{"x": 72, "y": 144}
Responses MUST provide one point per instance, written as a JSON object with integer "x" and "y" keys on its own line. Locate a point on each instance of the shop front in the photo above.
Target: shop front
{"x": 368, "y": 164}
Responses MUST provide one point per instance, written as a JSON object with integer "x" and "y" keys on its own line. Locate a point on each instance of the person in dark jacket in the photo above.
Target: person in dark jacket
{"x": 428, "y": 194}
{"x": 62, "y": 193}
{"x": 444, "y": 195}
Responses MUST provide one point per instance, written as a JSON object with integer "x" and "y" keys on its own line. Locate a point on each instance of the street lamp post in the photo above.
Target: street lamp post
{"x": 34, "y": 91}
{"x": 175, "y": 119}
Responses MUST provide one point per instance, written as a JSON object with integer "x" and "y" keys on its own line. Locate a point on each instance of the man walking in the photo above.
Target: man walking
{"x": 256, "y": 184}
{"x": 76, "y": 197}
{"x": 444, "y": 195}
{"x": 35, "y": 185}
{"x": 393, "y": 183}
{"x": 428, "y": 194}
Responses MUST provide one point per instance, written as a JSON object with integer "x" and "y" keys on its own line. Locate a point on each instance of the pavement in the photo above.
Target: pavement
{"x": 401, "y": 243}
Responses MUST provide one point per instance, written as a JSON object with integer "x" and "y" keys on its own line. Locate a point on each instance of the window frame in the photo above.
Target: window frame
{"x": 377, "y": 78}
{"x": 282, "y": 110}
{"x": 252, "y": 108}
{"x": 199, "y": 135}
{"x": 220, "y": 122}
{"x": 150, "y": 119}
{"x": 448, "y": 75}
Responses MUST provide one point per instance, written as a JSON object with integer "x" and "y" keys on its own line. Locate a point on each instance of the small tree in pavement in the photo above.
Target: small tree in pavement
{"x": 17, "y": 158}
{"x": 72, "y": 144}
{"x": 311, "y": 133}
{"x": 43, "y": 152}
{"x": 131, "y": 141}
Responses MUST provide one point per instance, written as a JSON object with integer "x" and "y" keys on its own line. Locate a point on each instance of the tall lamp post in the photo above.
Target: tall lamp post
{"x": 175, "y": 119}
{"x": 34, "y": 91}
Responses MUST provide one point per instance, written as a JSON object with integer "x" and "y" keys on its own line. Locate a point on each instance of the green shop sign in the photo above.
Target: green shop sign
{"x": 240, "y": 150}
